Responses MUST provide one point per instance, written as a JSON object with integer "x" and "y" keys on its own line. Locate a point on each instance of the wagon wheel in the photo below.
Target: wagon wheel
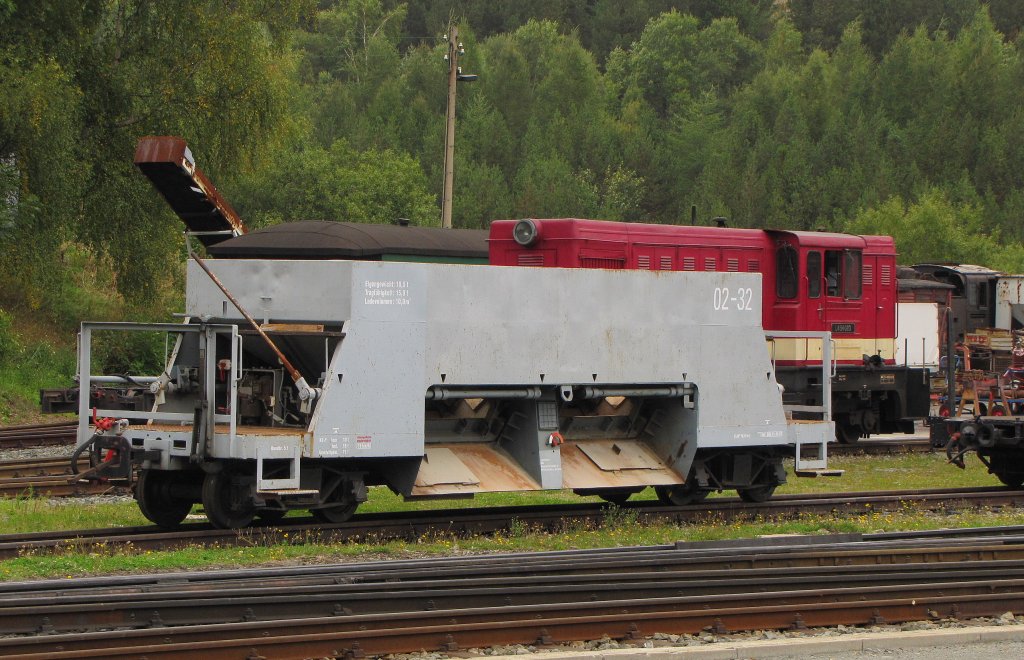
{"x": 271, "y": 516}
{"x": 1008, "y": 469}
{"x": 688, "y": 493}
{"x": 616, "y": 496}
{"x": 341, "y": 504}
{"x": 157, "y": 503}
{"x": 1011, "y": 479}
{"x": 336, "y": 514}
{"x": 227, "y": 505}
{"x": 756, "y": 494}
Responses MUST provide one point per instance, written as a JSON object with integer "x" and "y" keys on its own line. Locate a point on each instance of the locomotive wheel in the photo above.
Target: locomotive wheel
{"x": 681, "y": 495}
{"x": 847, "y": 433}
{"x": 153, "y": 493}
{"x": 223, "y": 508}
{"x": 756, "y": 494}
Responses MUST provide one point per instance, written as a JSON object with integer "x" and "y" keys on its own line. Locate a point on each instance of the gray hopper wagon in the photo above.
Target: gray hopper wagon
{"x": 443, "y": 380}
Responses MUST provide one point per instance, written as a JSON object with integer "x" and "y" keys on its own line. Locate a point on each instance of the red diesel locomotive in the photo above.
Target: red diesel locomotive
{"x": 812, "y": 281}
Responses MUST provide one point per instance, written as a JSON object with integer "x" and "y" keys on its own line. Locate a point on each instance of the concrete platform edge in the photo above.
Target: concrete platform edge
{"x": 795, "y": 646}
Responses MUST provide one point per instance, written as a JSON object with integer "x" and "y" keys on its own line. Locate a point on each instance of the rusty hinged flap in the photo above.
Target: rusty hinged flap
{"x": 610, "y": 455}
{"x": 580, "y": 470}
{"x": 169, "y": 165}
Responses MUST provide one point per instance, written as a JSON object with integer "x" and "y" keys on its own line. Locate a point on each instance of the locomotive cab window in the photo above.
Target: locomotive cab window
{"x": 843, "y": 274}
{"x": 786, "y": 266}
{"x": 852, "y": 274}
{"x": 982, "y": 294}
{"x": 814, "y": 274}
{"x": 833, "y": 272}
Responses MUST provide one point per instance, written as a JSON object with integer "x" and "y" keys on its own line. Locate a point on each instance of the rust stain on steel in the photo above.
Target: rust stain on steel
{"x": 240, "y": 430}
{"x": 168, "y": 163}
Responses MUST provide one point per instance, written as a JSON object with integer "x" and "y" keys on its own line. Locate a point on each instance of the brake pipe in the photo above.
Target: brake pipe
{"x": 306, "y": 393}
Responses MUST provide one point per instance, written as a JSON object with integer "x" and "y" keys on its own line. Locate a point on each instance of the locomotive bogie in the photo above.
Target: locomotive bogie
{"x": 444, "y": 380}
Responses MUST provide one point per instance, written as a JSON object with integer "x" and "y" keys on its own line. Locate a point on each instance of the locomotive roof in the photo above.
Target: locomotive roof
{"x": 352, "y": 240}
{"x": 654, "y": 233}
{"x": 963, "y": 269}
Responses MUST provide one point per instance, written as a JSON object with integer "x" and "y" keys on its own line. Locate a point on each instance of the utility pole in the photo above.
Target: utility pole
{"x": 455, "y": 76}
{"x": 449, "y": 132}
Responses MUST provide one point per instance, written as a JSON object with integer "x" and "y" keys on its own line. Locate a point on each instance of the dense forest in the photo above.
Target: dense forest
{"x": 898, "y": 117}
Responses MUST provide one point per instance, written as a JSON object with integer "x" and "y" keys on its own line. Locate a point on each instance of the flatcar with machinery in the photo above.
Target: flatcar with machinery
{"x": 321, "y": 359}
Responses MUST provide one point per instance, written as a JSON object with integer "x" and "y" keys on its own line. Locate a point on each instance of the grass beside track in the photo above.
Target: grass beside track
{"x": 619, "y": 528}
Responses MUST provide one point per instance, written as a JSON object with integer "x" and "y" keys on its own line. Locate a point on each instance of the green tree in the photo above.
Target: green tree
{"x": 339, "y": 183}
{"x": 937, "y": 229}
{"x": 82, "y": 81}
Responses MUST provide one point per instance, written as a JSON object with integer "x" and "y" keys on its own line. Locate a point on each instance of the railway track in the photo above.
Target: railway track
{"x": 54, "y": 487}
{"x": 38, "y": 467}
{"x": 455, "y": 603}
{"x": 38, "y": 435}
{"x": 46, "y": 477}
{"x": 412, "y": 525}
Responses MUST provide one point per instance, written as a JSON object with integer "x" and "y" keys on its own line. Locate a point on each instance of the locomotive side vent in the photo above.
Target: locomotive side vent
{"x": 869, "y": 274}
{"x": 886, "y": 275}
{"x": 666, "y": 263}
{"x": 643, "y": 262}
{"x": 733, "y": 265}
{"x": 753, "y": 266}
{"x": 597, "y": 262}
{"x": 709, "y": 263}
{"x": 531, "y": 260}
{"x": 689, "y": 263}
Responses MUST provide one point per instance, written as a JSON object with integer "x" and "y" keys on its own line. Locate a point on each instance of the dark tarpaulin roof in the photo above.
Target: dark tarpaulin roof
{"x": 352, "y": 240}
{"x": 908, "y": 283}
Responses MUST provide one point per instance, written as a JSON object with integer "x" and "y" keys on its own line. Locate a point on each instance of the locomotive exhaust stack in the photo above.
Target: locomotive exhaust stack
{"x": 628, "y": 380}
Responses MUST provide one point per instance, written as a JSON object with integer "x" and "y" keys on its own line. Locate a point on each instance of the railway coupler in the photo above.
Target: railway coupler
{"x": 971, "y": 436}
{"x": 955, "y": 450}
{"x": 110, "y": 456}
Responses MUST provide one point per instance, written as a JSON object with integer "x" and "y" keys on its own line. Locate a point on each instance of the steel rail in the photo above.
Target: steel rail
{"x": 460, "y": 628}
{"x": 23, "y": 428}
{"x": 37, "y": 467}
{"x": 253, "y": 600}
{"x": 458, "y": 522}
{"x": 815, "y": 554}
{"x": 551, "y": 565}
{"x": 53, "y": 487}
{"x": 36, "y": 435}
{"x": 48, "y": 478}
